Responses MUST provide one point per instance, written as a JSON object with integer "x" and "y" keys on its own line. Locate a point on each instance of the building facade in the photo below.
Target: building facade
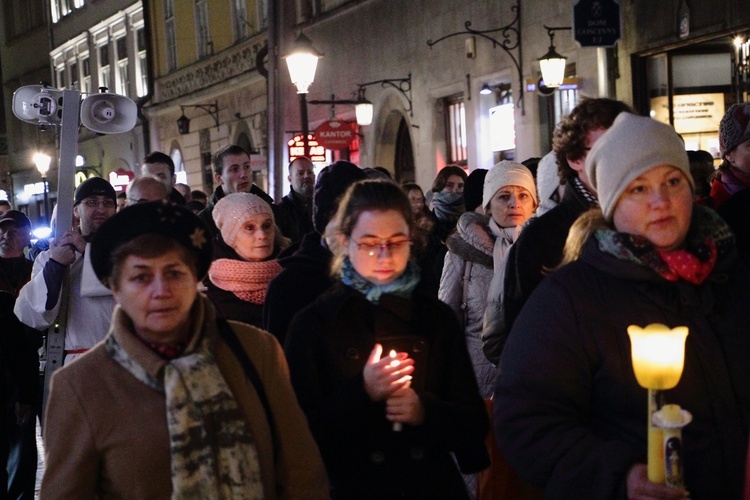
{"x": 208, "y": 68}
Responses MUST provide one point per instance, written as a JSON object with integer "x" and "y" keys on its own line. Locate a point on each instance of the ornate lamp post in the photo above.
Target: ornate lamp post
{"x": 302, "y": 62}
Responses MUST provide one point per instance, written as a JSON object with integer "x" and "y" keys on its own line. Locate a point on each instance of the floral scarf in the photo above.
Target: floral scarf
{"x": 403, "y": 286}
{"x": 247, "y": 280}
{"x": 708, "y": 239}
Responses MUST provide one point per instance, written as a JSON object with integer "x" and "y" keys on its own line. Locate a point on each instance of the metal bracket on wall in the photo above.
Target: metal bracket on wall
{"x": 511, "y": 40}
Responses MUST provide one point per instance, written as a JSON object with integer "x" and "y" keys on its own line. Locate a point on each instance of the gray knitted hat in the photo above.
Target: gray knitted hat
{"x": 632, "y": 145}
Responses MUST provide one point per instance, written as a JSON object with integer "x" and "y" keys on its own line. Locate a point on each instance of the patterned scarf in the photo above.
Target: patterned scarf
{"x": 213, "y": 452}
{"x": 583, "y": 191}
{"x": 401, "y": 287}
{"x": 247, "y": 280}
{"x": 448, "y": 207}
{"x": 708, "y": 239}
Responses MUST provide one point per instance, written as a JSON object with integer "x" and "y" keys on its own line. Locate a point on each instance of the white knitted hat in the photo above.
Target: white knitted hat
{"x": 234, "y": 209}
{"x": 507, "y": 173}
{"x": 632, "y": 145}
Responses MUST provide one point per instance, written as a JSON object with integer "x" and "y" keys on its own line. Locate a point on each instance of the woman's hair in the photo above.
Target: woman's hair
{"x": 367, "y": 196}
{"x": 442, "y": 177}
{"x": 411, "y": 186}
{"x": 148, "y": 246}
{"x": 581, "y": 230}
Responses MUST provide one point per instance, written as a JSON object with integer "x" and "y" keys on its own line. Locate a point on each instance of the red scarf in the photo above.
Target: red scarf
{"x": 685, "y": 265}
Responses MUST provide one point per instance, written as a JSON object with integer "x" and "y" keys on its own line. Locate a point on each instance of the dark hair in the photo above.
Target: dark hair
{"x": 384, "y": 171}
{"x": 569, "y": 138}
{"x": 159, "y": 157}
{"x": 365, "y": 196}
{"x": 120, "y": 196}
{"x": 231, "y": 149}
{"x": 4, "y": 202}
{"x": 474, "y": 188}
{"x": 411, "y": 186}
{"x": 197, "y": 193}
{"x": 148, "y": 246}
{"x": 442, "y": 177}
{"x": 702, "y": 170}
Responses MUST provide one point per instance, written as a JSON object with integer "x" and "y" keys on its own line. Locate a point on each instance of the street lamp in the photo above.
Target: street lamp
{"x": 42, "y": 162}
{"x": 552, "y": 63}
{"x": 302, "y": 62}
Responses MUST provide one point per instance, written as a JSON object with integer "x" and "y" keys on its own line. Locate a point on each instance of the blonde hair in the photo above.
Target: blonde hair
{"x": 581, "y": 230}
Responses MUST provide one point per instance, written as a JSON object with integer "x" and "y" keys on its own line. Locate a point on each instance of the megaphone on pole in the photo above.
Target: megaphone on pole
{"x": 107, "y": 113}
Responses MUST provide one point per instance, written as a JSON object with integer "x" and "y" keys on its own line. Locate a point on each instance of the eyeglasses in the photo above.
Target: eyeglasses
{"x": 92, "y": 203}
{"x": 372, "y": 249}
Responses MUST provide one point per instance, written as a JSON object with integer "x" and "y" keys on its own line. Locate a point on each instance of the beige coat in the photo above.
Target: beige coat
{"x": 106, "y": 432}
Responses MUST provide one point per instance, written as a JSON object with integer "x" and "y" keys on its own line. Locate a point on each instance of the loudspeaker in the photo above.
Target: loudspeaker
{"x": 107, "y": 113}
{"x": 38, "y": 104}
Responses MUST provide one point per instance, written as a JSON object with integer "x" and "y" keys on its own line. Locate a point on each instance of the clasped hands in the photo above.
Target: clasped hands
{"x": 389, "y": 379}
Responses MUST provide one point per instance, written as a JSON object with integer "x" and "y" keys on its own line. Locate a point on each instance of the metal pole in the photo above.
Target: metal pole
{"x": 46, "y": 199}
{"x": 305, "y": 126}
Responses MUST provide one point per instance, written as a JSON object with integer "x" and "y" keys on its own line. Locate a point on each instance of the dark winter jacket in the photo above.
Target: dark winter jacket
{"x": 305, "y": 276}
{"x": 293, "y": 217}
{"x": 569, "y": 413}
{"x": 327, "y": 346}
{"x": 538, "y": 250}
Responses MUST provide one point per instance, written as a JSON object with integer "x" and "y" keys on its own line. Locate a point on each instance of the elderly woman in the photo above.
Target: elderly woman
{"x": 174, "y": 402}
{"x": 245, "y": 257}
{"x": 569, "y": 413}
{"x": 476, "y": 253}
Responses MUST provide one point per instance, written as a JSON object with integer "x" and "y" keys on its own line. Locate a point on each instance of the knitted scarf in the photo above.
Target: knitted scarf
{"x": 448, "y": 207}
{"x": 504, "y": 238}
{"x": 213, "y": 452}
{"x": 401, "y": 287}
{"x": 731, "y": 183}
{"x": 583, "y": 191}
{"x": 708, "y": 239}
{"x": 247, "y": 280}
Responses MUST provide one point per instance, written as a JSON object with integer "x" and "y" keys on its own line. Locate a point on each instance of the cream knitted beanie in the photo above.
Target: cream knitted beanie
{"x": 632, "y": 145}
{"x": 234, "y": 209}
{"x": 507, "y": 173}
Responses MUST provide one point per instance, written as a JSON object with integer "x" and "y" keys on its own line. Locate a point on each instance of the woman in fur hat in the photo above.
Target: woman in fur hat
{"x": 476, "y": 252}
{"x": 569, "y": 414}
{"x": 245, "y": 257}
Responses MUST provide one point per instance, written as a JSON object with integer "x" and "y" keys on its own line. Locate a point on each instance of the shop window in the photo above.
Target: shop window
{"x": 455, "y": 124}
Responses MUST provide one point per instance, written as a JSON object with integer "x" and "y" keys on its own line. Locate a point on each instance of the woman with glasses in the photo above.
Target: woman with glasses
{"x": 380, "y": 369}
{"x": 245, "y": 260}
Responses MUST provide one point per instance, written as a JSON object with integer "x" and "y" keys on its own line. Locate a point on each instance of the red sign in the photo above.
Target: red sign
{"x": 335, "y": 134}
{"x": 297, "y": 149}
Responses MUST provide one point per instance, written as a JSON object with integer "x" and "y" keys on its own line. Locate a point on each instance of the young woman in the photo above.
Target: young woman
{"x": 380, "y": 369}
{"x": 165, "y": 405}
{"x": 569, "y": 413}
{"x": 245, "y": 257}
{"x": 476, "y": 252}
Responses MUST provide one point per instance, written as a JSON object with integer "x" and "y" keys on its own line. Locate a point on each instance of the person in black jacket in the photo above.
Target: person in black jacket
{"x": 380, "y": 369}
{"x": 305, "y": 270}
{"x": 294, "y": 212}
{"x": 570, "y": 415}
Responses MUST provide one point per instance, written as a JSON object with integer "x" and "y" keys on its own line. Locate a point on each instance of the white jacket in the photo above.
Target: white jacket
{"x": 90, "y": 304}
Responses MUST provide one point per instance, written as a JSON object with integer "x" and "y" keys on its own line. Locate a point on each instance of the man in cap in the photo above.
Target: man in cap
{"x": 294, "y": 212}
{"x": 19, "y": 361}
{"x": 63, "y": 286}
{"x": 233, "y": 174}
{"x": 310, "y": 264}
{"x": 161, "y": 166}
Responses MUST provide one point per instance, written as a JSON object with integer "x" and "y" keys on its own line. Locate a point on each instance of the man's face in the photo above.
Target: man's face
{"x": 591, "y": 137}
{"x": 302, "y": 177}
{"x": 93, "y": 211}
{"x": 13, "y": 239}
{"x": 160, "y": 171}
{"x": 236, "y": 175}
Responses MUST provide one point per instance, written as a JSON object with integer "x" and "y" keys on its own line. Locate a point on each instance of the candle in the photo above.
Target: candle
{"x": 397, "y": 426}
{"x": 671, "y": 419}
{"x": 658, "y": 356}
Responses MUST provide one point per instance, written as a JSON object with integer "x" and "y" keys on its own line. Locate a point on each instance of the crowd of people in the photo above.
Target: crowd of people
{"x": 368, "y": 339}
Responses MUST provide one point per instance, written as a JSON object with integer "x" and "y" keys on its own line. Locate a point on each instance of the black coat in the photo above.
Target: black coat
{"x": 537, "y": 251}
{"x": 569, "y": 413}
{"x": 305, "y": 276}
{"x": 293, "y": 217}
{"x": 328, "y": 344}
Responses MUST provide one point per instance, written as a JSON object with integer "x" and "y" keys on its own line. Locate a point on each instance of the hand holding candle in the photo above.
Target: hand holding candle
{"x": 383, "y": 377}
